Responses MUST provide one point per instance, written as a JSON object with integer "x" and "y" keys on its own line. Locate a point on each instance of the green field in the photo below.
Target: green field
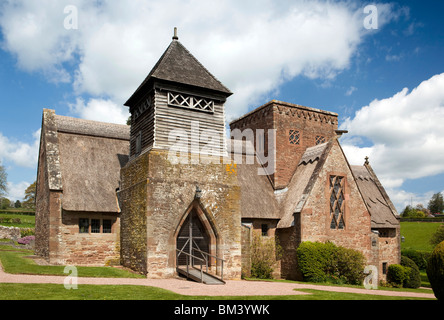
{"x": 26, "y": 221}
{"x": 417, "y": 235}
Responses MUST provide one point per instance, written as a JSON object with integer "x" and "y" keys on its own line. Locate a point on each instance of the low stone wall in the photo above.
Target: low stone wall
{"x": 12, "y": 233}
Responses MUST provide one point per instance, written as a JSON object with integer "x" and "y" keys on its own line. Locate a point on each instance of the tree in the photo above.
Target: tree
{"x": 435, "y": 271}
{"x": 29, "y": 201}
{"x": 410, "y": 212}
{"x": 436, "y": 204}
{"x": 18, "y": 204}
{"x": 5, "y": 203}
{"x": 438, "y": 236}
{"x": 3, "y": 181}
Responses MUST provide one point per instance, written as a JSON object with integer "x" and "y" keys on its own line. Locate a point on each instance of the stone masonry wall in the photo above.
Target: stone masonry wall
{"x": 246, "y": 251}
{"x": 289, "y": 239}
{"x": 389, "y": 246}
{"x": 170, "y": 191}
{"x": 9, "y": 232}
{"x": 133, "y": 197}
{"x": 88, "y": 249}
{"x": 315, "y": 217}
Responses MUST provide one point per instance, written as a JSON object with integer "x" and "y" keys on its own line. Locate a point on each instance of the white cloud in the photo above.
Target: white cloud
{"x": 251, "y": 46}
{"x": 16, "y": 191}
{"x": 100, "y": 110}
{"x": 350, "y": 91}
{"x": 20, "y": 153}
{"x": 406, "y": 134}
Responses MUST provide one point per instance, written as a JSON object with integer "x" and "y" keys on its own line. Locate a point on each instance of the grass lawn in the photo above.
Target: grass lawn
{"x": 417, "y": 235}
{"x": 14, "y": 261}
{"x": 124, "y": 292}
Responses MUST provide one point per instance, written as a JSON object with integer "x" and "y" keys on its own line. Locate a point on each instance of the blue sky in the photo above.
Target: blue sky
{"x": 313, "y": 53}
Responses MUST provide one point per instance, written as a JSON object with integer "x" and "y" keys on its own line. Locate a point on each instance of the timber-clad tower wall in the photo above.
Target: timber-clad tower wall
{"x": 179, "y": 101}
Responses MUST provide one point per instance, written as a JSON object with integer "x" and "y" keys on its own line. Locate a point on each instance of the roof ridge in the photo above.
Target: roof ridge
{"x": 202, "y": 65}
{"x": 94, "y": 128}
{"x": 178, "y": 65}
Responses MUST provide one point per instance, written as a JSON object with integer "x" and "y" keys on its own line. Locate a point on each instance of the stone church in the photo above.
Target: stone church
{"x": 170, "y": 193}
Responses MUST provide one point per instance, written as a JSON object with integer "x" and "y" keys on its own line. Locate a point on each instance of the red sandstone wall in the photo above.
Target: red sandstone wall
{"x": 309, "y": 122}
{"x": 315, "y": 217}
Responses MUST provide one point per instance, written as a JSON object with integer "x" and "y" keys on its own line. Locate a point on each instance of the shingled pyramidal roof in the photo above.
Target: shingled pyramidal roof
{"x": 178, "y": 65}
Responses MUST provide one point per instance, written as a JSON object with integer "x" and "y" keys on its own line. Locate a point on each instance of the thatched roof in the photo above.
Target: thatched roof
{"x": 383, "y": 214}
{"x": 259, "y": 200}
{"x": 301, "y": 183}
{"x": 90, "y": 156}
{"x": 257, "y": 194}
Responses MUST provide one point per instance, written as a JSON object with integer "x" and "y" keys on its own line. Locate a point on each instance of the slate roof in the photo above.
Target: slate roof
{"x": 178, "y": 65}
{"x": 383, "y": 213}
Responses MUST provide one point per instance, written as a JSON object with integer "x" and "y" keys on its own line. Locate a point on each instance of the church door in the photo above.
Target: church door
{"x": 192, "y": 239}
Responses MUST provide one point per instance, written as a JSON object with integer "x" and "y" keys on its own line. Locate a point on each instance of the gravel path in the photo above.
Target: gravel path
{"x": 231, "y": 288}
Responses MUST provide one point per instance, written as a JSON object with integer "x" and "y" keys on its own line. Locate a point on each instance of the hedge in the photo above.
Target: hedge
{"x": 397, "y": 275}
{"x": 419, "y": 257}
{"x": 435, "y": 271}
{"x": 321, "y": 262}
{"x": 414, "y": 280}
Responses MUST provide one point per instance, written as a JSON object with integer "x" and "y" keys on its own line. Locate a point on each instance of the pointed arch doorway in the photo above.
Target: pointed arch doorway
{"x": 193, "y": 240}
{"x": 197, "y": 247}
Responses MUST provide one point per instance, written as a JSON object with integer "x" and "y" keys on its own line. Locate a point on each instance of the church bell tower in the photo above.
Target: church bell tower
{"x": 174, "y": 209}
{"x": 179, "y": 96}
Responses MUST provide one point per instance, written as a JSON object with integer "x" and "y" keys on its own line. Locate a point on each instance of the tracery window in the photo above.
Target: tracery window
{"x": 294, "y": 137}
{"x": 190, "y": 102}
{"x": 320, "y": 140}
{"x": 337, "y": 202}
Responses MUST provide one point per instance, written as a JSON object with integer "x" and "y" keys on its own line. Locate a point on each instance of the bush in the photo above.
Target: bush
{"x": 321, "y": 262}
{"x": 438, "y": 236}
{"x": 419, "y": 257}
{"x": 5, "y": 220}
{"x": 312, "y": 262}
{"x": 414, "y": 280}
{"x": 351, "y": 264}
{"x": 26, "y": 240}
{"x": 264, "y": 254}
{"x": 397, "y": 275}
{"x": 27, "y": 232}
{"x": 16, "y": 220}
{"x": 435, "y": 271}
